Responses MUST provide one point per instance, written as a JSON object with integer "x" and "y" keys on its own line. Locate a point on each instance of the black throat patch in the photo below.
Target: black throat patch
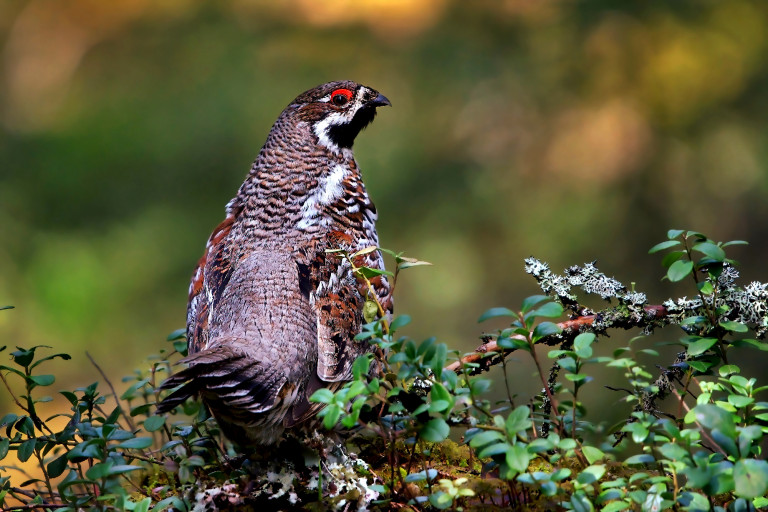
{"x": 343, "y": 135}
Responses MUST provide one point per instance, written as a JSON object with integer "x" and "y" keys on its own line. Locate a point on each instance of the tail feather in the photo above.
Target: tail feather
{"x": 223, "y": 376}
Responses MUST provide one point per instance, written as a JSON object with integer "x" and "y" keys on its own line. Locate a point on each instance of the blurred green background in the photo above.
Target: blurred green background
{"x": 568, "y": 130}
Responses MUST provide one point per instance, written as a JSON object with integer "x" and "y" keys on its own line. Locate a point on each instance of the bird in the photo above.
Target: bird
{"x": 273, "y": 309}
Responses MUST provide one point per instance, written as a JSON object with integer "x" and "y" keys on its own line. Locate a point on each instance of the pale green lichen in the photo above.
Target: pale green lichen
{"x": 748, "y": 305}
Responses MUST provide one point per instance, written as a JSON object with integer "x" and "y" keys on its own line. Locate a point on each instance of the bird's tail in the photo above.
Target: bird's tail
{"x": 225, "y": 376}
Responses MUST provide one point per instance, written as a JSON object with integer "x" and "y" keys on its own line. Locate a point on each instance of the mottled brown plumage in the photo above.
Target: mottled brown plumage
{"x": 272, "y": 315}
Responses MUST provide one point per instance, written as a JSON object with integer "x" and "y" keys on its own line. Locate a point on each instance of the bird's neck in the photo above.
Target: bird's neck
{"x": 306, "y": 187}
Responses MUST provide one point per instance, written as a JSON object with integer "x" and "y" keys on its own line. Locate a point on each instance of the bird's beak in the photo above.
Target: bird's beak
{"x": 380, "y": 101}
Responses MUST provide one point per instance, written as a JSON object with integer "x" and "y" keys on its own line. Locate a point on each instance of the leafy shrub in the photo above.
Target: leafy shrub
{"x": 401, "y": 414}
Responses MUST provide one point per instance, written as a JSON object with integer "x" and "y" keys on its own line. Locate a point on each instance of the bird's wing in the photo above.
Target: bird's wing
{"x": 208, "y": 282}
{"x": 338, "y": 297}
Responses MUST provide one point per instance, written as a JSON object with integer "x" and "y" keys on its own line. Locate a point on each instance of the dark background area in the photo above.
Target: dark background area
{"x": 572, "y": 131}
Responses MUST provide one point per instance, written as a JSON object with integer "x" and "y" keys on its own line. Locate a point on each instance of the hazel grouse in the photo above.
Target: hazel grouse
{"x": 271, "y": 315}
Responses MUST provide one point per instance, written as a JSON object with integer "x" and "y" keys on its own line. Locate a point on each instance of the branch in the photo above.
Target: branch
{"x": 569, "y": 330}
{"x": 748, "y": 305}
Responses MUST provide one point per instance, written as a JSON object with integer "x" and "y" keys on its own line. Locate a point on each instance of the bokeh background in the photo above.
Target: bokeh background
{"x": 572, "y": 131}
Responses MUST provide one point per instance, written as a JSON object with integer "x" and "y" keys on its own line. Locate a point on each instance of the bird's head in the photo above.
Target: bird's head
{"x": 337, "y": 111}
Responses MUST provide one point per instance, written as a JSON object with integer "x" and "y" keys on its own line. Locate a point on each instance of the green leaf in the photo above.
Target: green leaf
{"x": 734, "y": 326}
{"x": 439, "y": 406}
{"x": 750, "y": 478}
{"x": 400, "y": 321}
{"x": 178, "y": 334}
{"x": 8, "y": 419}
{"x": 700, "y": 346}
{"x": 568, "y": 364}
{"x": 580, "y": 502}
{"x": 639, "y": 431}
{"x": 694, "y": 501}
{"x": 578, "y": 377}
{"x": 331, "y": 416}
{"x": 759, "y": 345}
{"x": 530, "y": 302}
{"x": 25, "y": 425}
{"x": 322, "y": 395}
{"x": 747, "y": 436}
{"x": 495, "y": 313}
{"x": 616, "y": 506}
{"x": 674, "y": 233}
{"x": 671, "y": 257}
{"x": 700, "y": 366}
{"x": 154, "y": 423}
{"x": 673, "y": 451}
{"x": 441, "y": 500}
{"x": 710, "y": 250}
{"x": 663, "y": 245}
{"x": 23, "y": 357}
{"x": 137, "y": 443}
{"x": 691, "y": 320}
{"x": 494, "y": 449}
{"x": 518, "y": 420}
{"x": 421, "y": 476}
{"x": 99, "y": 470}
{"x": 679, "y": 270}
{"x": 439, "y": 393}
{"x": 591, "y": 474}
{"x": 728, "y": 369}
{"x": 592, "y": 454}
{"x": 643, "y": 458}
{"x": 518, "y": 458}
{"x": 582, "y": 344}
{"x": 43, "y": 380}
{"x": 141, "y": 410}
{"x": 171, "y": 501}
{"x": 361, "y": 366}
{"x": 740, "y": 401}
{"x": 123, "y": 468}
{"x": 181, "y": 347}
{"x": 485, "y": 437}
{"x": 479, "y": 385}
{"x": 545, "y": 329}
{"x": 714, "y": 417}
{"x": 438, "y": 361}
{"x": 435, "y": 430}
{"x": 512, "y": 343}
{"x": 143, "y": 505}
{"x": 5, "y": 444}
{"x": 25, "y": 450}
{"x": 549, "y": 310}
{"x": 57, "y": 466}
{"x": 370, "y": 272}
{"x": 65, "y": 357}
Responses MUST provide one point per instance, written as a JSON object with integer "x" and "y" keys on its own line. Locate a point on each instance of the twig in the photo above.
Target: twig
{"x": 8, "y": 387}
{"x": 114, "y": 393}
{"x": 715, "y": 446}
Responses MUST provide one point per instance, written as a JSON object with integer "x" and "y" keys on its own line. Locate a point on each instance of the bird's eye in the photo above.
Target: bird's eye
{"x": 341, "y": 97}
